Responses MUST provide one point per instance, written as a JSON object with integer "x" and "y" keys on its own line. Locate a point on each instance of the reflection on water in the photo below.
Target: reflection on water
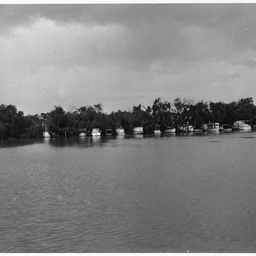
{"x": 163, "y": 193}
{"x": 12, "y": 142}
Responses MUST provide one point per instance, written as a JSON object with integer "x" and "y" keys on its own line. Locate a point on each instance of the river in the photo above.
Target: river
{"x": 193, "y": 193}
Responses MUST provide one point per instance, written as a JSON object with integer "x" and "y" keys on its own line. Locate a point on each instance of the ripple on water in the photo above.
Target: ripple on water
{"x": 151, "y": 195}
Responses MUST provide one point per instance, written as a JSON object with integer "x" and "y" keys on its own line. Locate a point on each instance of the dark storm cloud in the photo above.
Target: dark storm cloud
{"x": 205, "y": 15}
{"x": 152, "y": 32}
{"x": 68, "y": 50}
{"x": 81, "y": 13}
{"x": 191, "y": 14}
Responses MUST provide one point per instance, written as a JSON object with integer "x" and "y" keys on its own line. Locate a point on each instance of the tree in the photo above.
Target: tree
{"x": 245, "y": 109}
{"x": 182, "y": 109}
{"x": 162, "y": 113}
{"x": 200, "y": 114}
{"x": 218, "y": 112}
{"x": 58, "y": 121}
{"x": 98, "y": 108}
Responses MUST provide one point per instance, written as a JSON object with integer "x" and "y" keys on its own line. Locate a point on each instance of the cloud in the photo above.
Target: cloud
{"x": 146, "y": 33}
{"x": 122, "y": 55}
{"x": 47, "y": 43}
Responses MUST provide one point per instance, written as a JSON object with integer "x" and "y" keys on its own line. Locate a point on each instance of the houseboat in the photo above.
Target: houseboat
{"x": 157, "y": 130}
{"x": 82, "y": 132}
{"x": 170, "y": 130}
{"x": 211, "y": 127}
{"x": 189, "y": 128}
{"x": 227, "y": 128}
{"x": 198, "y": 130}
{"x": 109, "y": 132}
{"x": 186, "y": 128}
{"x": 242, "y": 125}
{"x": 138, "y": 130}
{"x": 46, "y": 134}
{"x": 96, "y": 132}
{"x": 120, "y": 131}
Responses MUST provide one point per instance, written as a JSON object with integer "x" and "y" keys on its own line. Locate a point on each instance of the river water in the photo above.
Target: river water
{"x": 129, "y": 194}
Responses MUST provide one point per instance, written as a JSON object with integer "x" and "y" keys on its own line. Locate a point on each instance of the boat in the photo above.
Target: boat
{"x": 82, "y": 134}
{"x": 198, "y": 130}
{"x": 211, "y": 127}
{"x": 109, "y": 132}
{"x": 120, "y": 131}
{"x": 157, "y": 130}
{"x": 138, "y": 130}
{"x": 186, "y": 128}
{"x": 242, "y": 125}
{"x": 46, "y": 134}
{"x": 170, "y": 130}
{"x": 96, "y": 132}
{"x": 190, "y": 128}
{"x": 227, "y": 128}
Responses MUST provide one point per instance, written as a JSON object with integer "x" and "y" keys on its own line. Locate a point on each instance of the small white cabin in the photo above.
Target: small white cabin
{"x": 96, "y": 132}
{"x": 138, "y": 130}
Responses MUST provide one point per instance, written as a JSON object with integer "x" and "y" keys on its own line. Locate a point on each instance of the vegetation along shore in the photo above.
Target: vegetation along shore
{"x": 163, "y": 114}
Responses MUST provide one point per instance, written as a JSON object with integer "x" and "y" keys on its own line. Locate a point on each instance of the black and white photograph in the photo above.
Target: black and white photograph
{"x": 128, "y": 127}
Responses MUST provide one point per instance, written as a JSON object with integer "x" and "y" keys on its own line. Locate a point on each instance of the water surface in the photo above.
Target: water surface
{"x": 129, "y": 194}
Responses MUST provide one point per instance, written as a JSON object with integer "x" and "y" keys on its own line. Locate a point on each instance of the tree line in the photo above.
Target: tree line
{"x": 180, "y": 112}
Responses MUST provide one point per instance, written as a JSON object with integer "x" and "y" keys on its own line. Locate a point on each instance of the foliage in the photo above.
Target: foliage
{"x": 13, "y": 123}
{"x": 59, "y": 123}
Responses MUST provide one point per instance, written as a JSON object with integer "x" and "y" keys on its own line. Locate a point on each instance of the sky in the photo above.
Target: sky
{"x": 123, "y": 55}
